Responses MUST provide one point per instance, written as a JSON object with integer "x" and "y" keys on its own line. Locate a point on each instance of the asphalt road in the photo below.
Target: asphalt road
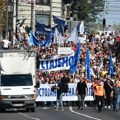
{"x": 69, "y": 113}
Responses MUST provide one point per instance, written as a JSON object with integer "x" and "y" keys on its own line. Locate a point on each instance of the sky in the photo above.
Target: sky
{"x": 113, "y": 12}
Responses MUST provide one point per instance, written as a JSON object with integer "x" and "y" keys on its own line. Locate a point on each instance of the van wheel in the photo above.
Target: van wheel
{"x": 33, "y": 109}
{"x": 27, "y": 109}
{"x": 2, "y": 109}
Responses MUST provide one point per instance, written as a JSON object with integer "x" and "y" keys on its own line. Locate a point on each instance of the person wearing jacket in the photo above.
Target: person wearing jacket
{"x": 59, "y": 102}
{"x": 108, "y": 85}
{"x": 81, "y": 92}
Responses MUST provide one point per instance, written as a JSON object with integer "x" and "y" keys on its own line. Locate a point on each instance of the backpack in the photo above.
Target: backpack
{"x": 64, "y": 87}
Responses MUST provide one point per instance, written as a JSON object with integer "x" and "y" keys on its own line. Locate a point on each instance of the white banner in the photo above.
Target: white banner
{"x": 65, "y": 50}
{"x": 44, "y": 93}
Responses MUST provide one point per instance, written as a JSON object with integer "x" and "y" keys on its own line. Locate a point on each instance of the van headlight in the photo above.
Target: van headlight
{"x": 30, "y": 96}
{"x": 4, "y": 97}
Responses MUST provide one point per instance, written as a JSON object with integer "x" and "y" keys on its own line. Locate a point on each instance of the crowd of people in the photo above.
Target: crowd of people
{"x": 100, "y": 46}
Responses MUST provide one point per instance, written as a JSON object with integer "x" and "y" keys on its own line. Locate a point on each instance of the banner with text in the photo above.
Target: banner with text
{"x": 56, "y": 64}
{"x": 44, "y": 93}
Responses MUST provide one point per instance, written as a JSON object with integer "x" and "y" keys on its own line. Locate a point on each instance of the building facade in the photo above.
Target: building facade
{"x": 39, "y": 10}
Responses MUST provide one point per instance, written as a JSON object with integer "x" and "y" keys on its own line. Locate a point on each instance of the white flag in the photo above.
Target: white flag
{"x": 92, "y": 73}
{"x": 82, "y": 29}
{"x": 56, "y": 36}
{"x": 99, "y": 68}
{"x": 73, "y": 36}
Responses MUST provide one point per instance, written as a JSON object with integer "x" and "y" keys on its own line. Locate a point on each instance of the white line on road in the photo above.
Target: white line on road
{"x": 83, "y": 114}
{"x": 29, "y": 116}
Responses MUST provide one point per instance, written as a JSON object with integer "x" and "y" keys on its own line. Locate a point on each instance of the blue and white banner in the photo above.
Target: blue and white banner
{"x": 63, "y": 63}
{"x": 44, "y": 93}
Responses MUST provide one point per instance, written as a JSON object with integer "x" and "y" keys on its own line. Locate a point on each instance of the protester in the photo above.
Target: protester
{"x": 100, "y": 94}
{"x": 108, "y": 85}
{"x": 94, "y": 83}
{"x": 116, "y": 95}
{"x": 100, "y": 45}
{"x": 6, "y": 44}
{"x": 81, "y": 92}
{"x": 59, "y": 102}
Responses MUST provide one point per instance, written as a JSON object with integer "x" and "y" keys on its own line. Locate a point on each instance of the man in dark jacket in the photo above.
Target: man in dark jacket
{"x": 59, "y": 102}
{"x": 81, "y": 91}
{"x": 108, "y": 85}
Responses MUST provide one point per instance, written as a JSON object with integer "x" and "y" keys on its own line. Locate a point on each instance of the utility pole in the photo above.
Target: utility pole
{"x": 16, "y": 19}
{"x": 104, "y": 19}
{"x": 50, "y": 12}
{"x": 6, "y": 31}
{"x": 32, "y": 23}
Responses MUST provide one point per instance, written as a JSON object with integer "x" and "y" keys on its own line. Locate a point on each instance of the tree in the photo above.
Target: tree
{"x": 2, "y": 20}
{"x": 86, "y": 10}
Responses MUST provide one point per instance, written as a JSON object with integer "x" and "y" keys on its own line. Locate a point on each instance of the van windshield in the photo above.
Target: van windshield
{"x": 16, "y": 80}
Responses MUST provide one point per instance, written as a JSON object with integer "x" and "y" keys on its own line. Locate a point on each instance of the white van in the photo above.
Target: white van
{"x": 17, "y": 79}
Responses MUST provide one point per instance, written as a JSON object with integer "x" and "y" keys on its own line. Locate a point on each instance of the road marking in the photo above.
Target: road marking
{"x": 29, "y": 116}
{"x": 83, "y": 114}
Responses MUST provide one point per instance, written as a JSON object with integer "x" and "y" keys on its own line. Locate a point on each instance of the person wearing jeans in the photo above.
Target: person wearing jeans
{"x": 116, "y": 95}
{"x": 59, "y": 102}
{"x": 81, "y": 92}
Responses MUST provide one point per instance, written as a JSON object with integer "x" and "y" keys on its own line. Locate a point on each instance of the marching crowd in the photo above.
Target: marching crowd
{"x": 100, "y": 46}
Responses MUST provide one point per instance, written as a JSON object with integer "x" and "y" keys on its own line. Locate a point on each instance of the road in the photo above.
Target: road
{"x": 69, "y": 113}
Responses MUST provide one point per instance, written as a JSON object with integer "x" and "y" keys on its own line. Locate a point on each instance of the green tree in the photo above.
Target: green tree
{"x": 86, "y": 10}
{"x": 2, "y": 20}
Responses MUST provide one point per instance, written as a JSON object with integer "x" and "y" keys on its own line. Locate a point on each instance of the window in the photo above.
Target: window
{"x": 43, "y": 19}
{"x": 16, "y": 80}
{"x": 42, "y": 2}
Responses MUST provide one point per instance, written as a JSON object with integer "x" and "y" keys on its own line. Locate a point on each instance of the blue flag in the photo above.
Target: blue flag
{"x": 78, "y": 27}
{"x": 42, "y": 29}
{"x": 59, "y": 28}
{"x": 110, "y": 67}
{"x": 47, "y": 41}
{"x": 73, "y": 66}
{"x": 87, "y": 65}
{"x": 59, "y": 21}
{"x": 34, "y": 41}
